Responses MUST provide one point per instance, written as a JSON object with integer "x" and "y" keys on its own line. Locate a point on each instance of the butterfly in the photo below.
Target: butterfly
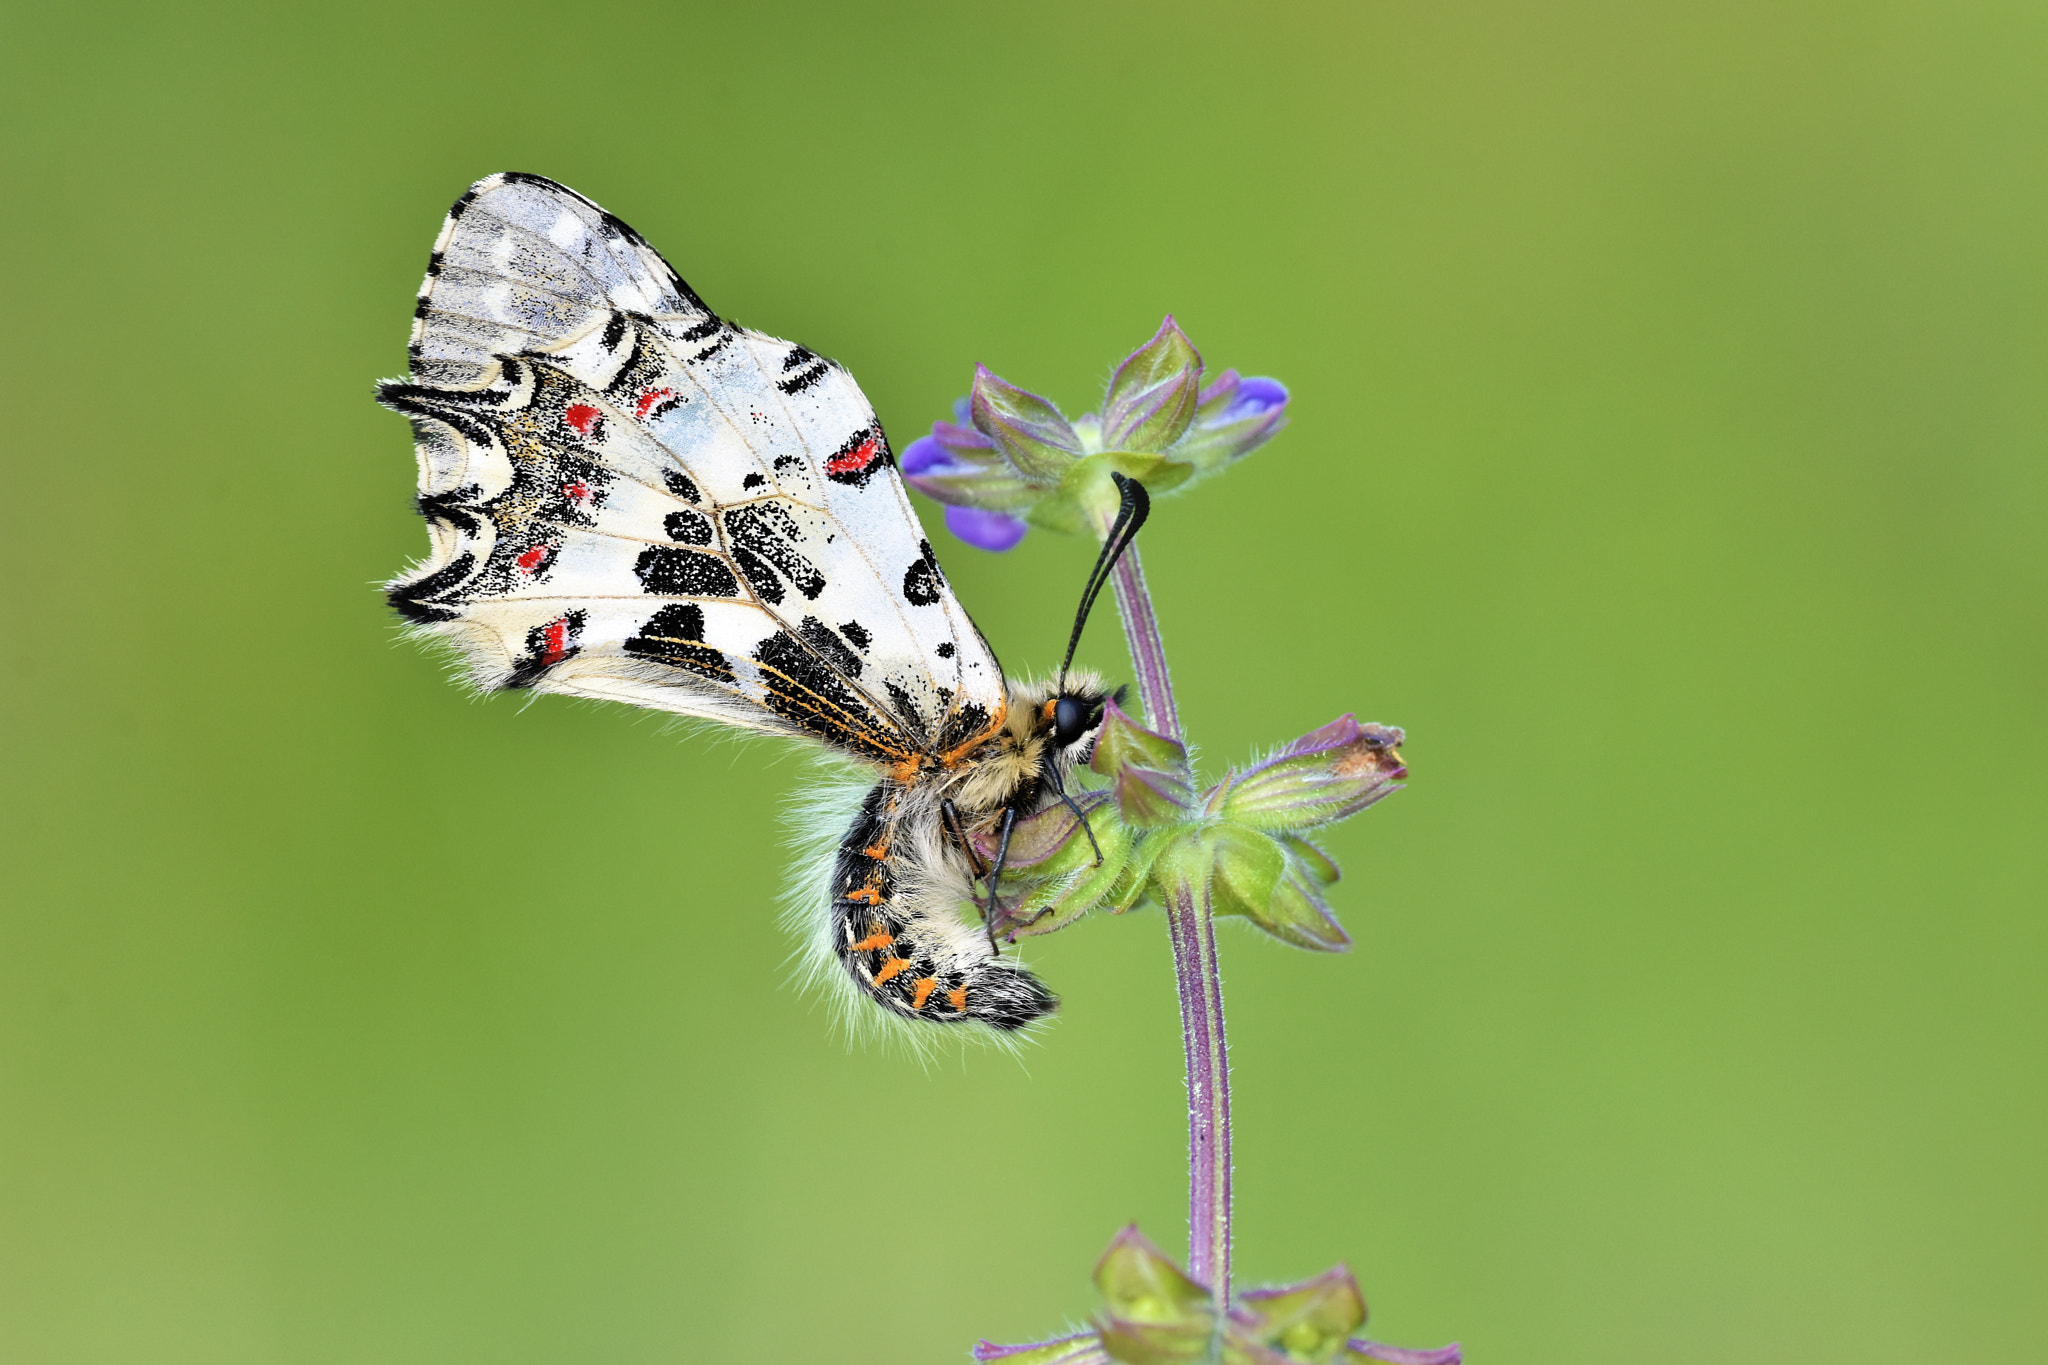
{"x": 629, "y": 498}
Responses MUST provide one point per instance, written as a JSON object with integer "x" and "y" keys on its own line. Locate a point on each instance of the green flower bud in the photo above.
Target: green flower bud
{"x": 1125, "y": 743}
{"x": 1154, "y": 1314}
{"x": 1325, "y": 775}
{"x": 1312, "y": 859}
{"x": 1310, "y": 1321}
{"x": 1082, "y": 1348}
{"x": 1026, "y": 428}
{"x": 1298, "y": 914}
{"x": 1153, "y": 394}
{"x": 1245, "y": 869}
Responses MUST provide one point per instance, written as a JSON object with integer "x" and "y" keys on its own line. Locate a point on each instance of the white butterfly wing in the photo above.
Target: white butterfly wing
{"x": 633, "y": 500}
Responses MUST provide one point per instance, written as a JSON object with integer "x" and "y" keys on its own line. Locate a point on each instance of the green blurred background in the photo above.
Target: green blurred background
{"x": 1667, "y": 456}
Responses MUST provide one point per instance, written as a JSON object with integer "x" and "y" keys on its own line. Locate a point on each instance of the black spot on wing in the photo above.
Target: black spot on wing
{"x": 760, "y": 577}
{"x": 801, "y": 689}
{"x": 468, "y": 413}
{"x": 771, "y": 534}
{"x": 687, "y": 527}
{"x": 453, "y": 507}
{"x": 970, "y": 720}
{"x": 675, "y": 636}
{"x": 906, "y": 708}
{"x": 819, "y": 636}
{"x": 945, "y": 649}
{"x": 679, "y": 484}
{"x": 857, "y": 633}
{"x": 753, "y": 481}
{"x": 803, "y": 379}
{"x": 671, "y": 572}
{"x": 922, "y": 581}
{"x": 413, "y": 600}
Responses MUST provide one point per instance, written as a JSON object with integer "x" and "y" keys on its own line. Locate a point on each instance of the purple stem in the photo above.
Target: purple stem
{"x": 1193, "y": 931}
{"x": 1148, "y": 655}
{"x": 1200, "y": 983}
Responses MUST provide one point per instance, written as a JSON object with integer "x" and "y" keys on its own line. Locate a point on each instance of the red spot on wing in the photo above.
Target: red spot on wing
{"x": 581, "y": 417}
{"x": 855, "y": 460}
{"x": 530, "y": 560}
{"x": 555, "y": 639}
{"x": 648, "y": 398}
{"x": 578, "y": 491}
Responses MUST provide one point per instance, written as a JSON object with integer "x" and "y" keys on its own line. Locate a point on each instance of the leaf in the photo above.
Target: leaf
{"x": 1082, "y": 886}
{"x": 1143, "y": 1284}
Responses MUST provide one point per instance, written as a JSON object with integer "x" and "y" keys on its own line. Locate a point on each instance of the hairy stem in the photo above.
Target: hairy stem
{"x": 1193, "y": 931}
{"x": 1196, "y": 976}
{"x": 1148, "y": 655}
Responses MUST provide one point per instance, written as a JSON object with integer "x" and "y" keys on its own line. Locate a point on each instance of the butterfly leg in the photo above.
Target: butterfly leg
{"x": 951, "y": 814}
{"x": 1079, "y": 814}
{"x": 995, "y": 874}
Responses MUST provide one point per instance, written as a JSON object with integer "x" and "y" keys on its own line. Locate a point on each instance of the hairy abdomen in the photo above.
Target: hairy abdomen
{"x": 901, "y": 950}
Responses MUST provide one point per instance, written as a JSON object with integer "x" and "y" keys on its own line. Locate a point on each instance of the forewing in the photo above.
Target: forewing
{"x": 631, "y": 499}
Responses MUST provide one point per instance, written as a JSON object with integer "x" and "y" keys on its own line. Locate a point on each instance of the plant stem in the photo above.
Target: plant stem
{"x": 1148, "y": 655}
{"x": 1192, "y": 929}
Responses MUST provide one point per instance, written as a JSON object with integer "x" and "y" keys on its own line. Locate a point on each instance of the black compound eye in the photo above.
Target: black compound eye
{"x": 1071, "y": 719}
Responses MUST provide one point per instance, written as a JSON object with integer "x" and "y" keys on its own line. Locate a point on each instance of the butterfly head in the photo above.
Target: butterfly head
{"x": 1069, "y": 720}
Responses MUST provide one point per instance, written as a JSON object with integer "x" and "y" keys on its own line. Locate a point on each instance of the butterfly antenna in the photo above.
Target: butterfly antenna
{"x": 1137, "y": 505}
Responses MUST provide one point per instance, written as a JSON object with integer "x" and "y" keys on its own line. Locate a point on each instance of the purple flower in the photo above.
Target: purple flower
{"x": 996, "y": 531}
{"x": 924, "y": 453}
{"x": 1011, "y": 456}
{"x": 962, "y": 468}
{"x": 1235, "y": 417}
{"x": 1255, "y": 397}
